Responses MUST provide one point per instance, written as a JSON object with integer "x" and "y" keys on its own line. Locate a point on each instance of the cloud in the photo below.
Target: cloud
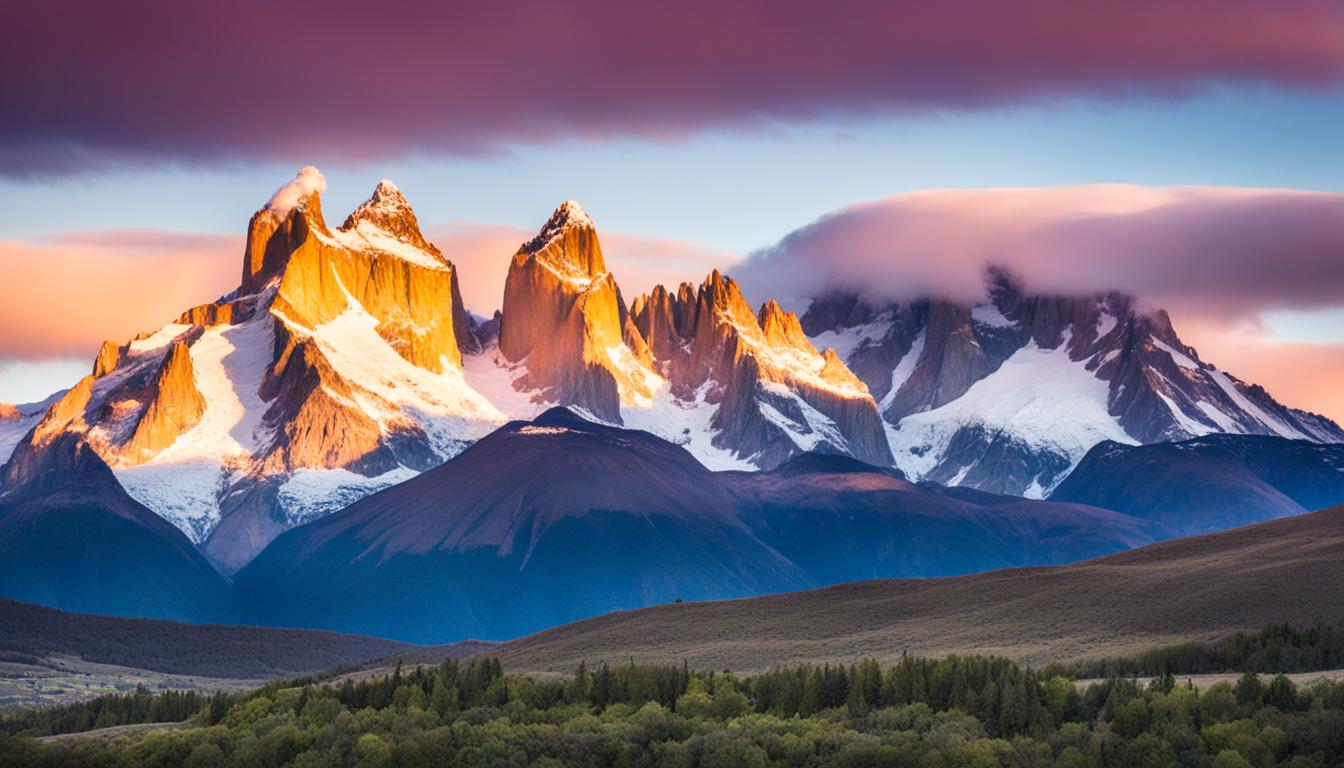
{"x": 63, "y": 295}
{"x": 306, "y": 182}
{"x": 355, "y": 81}
{"x": 482, "y": 252}
{"x": 1224, "y": 253}
{"x": 1225, "y": 262}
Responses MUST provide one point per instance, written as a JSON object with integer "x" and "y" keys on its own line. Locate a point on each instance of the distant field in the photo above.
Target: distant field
{"x": 64, "y": 679}
{"x": 55, "y": 657}
{"x": 30, "y": 632}
{"x": 1201, "y": 588}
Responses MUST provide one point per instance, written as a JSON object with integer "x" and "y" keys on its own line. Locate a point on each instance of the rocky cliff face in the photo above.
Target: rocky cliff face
{"x": 1008, "y": 395}
{"x": 564, "y": 317}
{"x": 174, "y": 405}
{"x": 774, "y": 394}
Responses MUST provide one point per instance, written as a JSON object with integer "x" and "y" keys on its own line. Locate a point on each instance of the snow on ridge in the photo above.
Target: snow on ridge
{"x": 1251, "y": 408}
{"x": 1106, "y": 323}
{"x": 1177, "y": 356}
{"x": 157, "y": 340}
{"x": 367, "y": 236}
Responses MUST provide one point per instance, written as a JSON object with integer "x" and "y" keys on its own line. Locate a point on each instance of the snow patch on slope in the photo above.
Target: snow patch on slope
{"x": 496, "y": 379}
{"x": 816, "y": 430}
{"x": 845, "y": 341}
{"x": 310, "y": 494}
{"x": 1177, "y": 356}
{"x": 1038, "y": 396}
{"x": 901, "y": 373}
{"x": 12, "y": 431}
{"x": 182, "y": 482}
{"x": 687, "y": 423}
{"x": 988, "y": 314}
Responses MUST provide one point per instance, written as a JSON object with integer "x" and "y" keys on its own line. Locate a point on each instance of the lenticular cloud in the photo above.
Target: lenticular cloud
{"x": 1216, "y": 251}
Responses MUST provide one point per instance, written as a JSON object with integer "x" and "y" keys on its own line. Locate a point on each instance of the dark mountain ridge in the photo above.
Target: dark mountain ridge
{"x": 71, "y": 538}
{"x": 1209, "y": 483}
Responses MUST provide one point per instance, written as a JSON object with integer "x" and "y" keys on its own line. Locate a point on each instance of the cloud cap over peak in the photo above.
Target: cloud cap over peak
{"x": 1215, "y": 252}
{"x": 355, "y": 81}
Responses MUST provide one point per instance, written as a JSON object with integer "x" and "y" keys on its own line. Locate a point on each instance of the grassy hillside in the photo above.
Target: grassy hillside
{"x": 29, "y": 633}
{"x": 1190, "y": 589}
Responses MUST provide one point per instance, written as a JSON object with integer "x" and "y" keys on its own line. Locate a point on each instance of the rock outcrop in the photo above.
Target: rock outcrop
{"x": 174, "y": 405}
{"x": 564, "y": 317}
{"x": 776, "y": 395}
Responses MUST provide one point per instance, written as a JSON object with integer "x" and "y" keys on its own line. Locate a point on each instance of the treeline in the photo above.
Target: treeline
{"x": 1279, "y": 648}
{"x": 959, "y": 711}
{"x": 142, "y": 706}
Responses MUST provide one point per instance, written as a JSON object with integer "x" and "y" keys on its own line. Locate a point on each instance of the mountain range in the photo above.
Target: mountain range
{"x": 345, "y": 362}
{"x": 340, "y": 444}
{"x": 560, "y": 518}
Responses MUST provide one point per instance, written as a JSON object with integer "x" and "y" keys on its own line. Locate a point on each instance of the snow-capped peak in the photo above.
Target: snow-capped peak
{"x": 568, "y": 216}
{"x": 386, "y": 202}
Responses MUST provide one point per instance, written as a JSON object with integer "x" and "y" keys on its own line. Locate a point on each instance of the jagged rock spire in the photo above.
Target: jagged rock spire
{"x": 387, "y": 210}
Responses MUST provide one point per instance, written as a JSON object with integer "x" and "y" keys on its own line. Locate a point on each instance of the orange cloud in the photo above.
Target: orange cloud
{"x": 63, "y": 295}
{"x": 1302, "y": 375}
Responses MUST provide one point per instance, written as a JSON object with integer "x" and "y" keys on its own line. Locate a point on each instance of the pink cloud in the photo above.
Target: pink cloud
{"x": 89, "y": 83}
{"x": 1215, "y": 258}
{"x": 1229, "y": 253}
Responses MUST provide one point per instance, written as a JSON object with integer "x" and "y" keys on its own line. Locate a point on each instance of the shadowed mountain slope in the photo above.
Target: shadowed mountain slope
{"x": 71, "y": 538}
{"x": 1197, "y": 588}
{"x": 560, "y": 518}
{"x": 1209, "y": 483}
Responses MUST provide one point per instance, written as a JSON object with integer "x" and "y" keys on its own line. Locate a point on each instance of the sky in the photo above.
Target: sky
{"x": 789, "y": 142}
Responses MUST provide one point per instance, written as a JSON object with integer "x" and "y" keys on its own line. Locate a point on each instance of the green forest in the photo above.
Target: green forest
{"x": 957, "y": 711}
